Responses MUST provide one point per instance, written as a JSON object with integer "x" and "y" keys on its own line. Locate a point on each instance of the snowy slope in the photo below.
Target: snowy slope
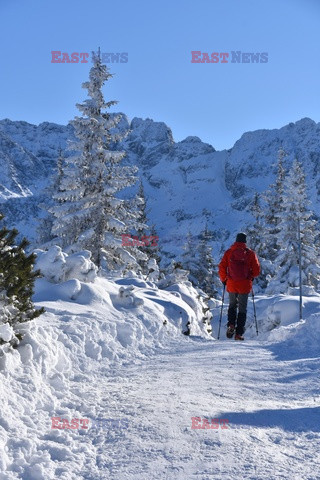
{"x": 253, "y": 156}
{"x": 186, "y": 182}
{"x": 136, "y": 384}
{"x": 20, "y": 169}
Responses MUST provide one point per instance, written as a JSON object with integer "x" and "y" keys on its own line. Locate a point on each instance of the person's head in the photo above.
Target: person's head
{"x": 241, "y": 237}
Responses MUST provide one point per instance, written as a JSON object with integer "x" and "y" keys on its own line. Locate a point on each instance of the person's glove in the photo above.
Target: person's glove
{"x": 225, "y": 283}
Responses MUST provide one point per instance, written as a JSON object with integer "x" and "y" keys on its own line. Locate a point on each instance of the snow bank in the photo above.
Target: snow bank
{"x": 298, "y": 340}
{"x": 278, "y": 311}
{"x": 279, "y": 324}
{"x": 109, "y": 320}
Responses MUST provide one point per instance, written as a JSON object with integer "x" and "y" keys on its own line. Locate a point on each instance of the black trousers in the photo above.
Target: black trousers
{"x": 237, "y": 312}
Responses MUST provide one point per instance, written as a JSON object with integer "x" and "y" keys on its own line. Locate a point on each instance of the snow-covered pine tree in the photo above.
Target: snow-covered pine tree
{"x": 274, "y": 206}
{"x": 175, "y": 273}
{"x": 295, "y": 209}
{"x": 16, "y": 281}
{"x": 154, "y": 251}
{"x": 189, "y": 259}
{"x": 91, "y": 214}
{"x": 142, "y": 232}
{"x": 206, "y": 274}
{"x": 151, "y": 249}
{"x": 255, "y": 230}
{"x": 57, "y": 183}
{"x": 52, "y": 191}
{"x": 146, "y": 237}
{"x": 258, "y": 234}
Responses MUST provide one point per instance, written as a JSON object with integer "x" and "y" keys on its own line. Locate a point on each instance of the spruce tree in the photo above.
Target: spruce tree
{"x": 16, "y": 279}
{"x": 154, "y": 249}
{"x": 92, "y": 215}
{"x": 274, "y": 206}
{"x": 295, "y": 209}
{"x": 198, "y": 260}
{"x": 53, "y": 192}
{"x": 142, "y": 232}
{"x": 189, "y": 259}
{"x": 175, "y": 273}
{"x": 256, "y": 230}
{"x": 258, "y": 235}
{"x": 206, "y": 274}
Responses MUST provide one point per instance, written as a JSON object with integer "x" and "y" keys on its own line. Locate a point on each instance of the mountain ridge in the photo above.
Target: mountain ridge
{"x": 187, "y": 183}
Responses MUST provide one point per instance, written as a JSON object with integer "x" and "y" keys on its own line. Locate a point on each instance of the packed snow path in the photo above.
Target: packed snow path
{"x": 272, "y": 406}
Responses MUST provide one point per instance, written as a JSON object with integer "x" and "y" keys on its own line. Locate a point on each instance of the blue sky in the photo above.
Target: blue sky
{"x": 217, "y": 102}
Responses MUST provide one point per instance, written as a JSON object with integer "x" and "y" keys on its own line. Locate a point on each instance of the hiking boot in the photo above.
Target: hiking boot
{"x": 241, "y": 322}
{"x": 230, "y": 330}
{"x": 238, "y": 337}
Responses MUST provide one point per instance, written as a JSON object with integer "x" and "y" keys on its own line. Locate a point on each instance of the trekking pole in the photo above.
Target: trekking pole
{"x": 224, "y": 288}
{"x": 254, "y": 311}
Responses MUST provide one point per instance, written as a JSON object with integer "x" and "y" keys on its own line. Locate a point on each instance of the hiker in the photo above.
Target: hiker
{"x": 237, "y": 269}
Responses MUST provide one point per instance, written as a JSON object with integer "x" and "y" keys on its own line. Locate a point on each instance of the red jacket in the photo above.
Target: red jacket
{"x": 239, "y": 286}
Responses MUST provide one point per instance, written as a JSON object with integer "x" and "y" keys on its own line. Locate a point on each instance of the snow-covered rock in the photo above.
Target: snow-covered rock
{"x": 56, "y": 266}
{"x": 127, "y": 298}
{"x": 153, "y": 270}
{"x": 6, "y": 332}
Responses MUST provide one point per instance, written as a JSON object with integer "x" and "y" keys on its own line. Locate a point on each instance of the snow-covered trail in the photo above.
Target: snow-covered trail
{"x": 272, "y": 406}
